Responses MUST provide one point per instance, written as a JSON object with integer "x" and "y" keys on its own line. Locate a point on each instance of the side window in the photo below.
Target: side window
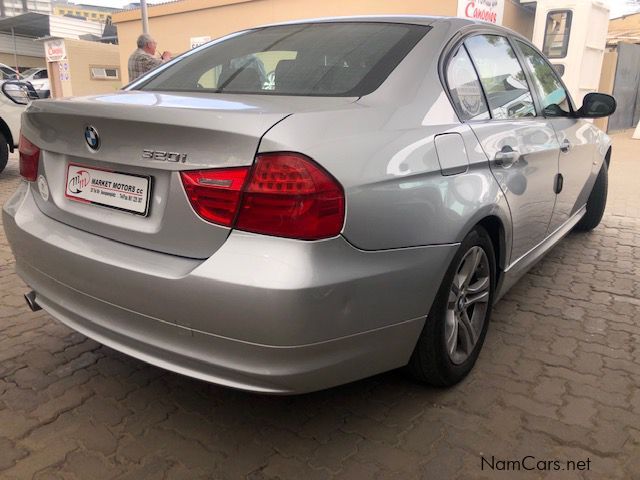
{"x": 465, "y": 88}
{"x": 501, "y": 76}
{"x": 556, "y": 34}
{"x": 553, "y": 96}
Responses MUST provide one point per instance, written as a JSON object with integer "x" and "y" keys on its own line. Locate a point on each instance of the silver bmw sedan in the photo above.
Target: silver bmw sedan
{"x": 297, "y": 206}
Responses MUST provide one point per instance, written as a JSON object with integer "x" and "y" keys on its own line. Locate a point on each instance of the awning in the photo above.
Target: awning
{"x": 30, "y": 24}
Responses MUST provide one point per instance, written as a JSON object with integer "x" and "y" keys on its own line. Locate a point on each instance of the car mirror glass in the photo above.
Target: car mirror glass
{"x": 596, "y": 105}
{"x": 19, "y": 92}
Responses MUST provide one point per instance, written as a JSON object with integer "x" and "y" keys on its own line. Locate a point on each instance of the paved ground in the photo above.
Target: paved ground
{"x": 558, "y": 380}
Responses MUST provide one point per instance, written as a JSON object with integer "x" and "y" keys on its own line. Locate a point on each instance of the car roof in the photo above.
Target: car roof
{"x": 409, "y": 19}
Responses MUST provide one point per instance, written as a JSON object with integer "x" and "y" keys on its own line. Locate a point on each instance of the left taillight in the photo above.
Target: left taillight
{"x": 215, "y": 194}
{"x": 29, "y": 158}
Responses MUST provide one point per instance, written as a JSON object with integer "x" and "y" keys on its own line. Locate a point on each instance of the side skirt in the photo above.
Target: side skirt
{"x": 517, "y": 269}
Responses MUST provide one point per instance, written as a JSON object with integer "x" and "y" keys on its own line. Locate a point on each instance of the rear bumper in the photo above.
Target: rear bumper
{"x": 262, "y": 314}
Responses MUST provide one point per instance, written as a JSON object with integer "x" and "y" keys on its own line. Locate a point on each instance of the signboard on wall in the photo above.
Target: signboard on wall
{"x": 55, "y": 50}
{"x": 64, "y": 71}
{"x": 197, "y": 41}
{"x": 488, "y": 10}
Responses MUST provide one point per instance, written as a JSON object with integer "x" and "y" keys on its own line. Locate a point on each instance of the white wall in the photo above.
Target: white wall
{"x": 66, "y": 27}
{"x": 24, "y": 46}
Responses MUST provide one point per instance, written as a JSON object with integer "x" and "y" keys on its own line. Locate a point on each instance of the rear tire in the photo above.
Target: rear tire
{"x": 4, "y": 152}
{"x": 596, "y": 203}
{"x": 451, "y": 340}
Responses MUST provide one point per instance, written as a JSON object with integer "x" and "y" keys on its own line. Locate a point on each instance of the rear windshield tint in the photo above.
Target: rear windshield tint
{"x": 321, "y": 59}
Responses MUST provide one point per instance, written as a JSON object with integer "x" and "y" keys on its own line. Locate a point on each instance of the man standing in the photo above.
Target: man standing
{"x": 144, "y": 59}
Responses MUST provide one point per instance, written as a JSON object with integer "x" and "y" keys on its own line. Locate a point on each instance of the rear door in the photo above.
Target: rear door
{"x": 521, "y": 145}
{"x": 577, "y": 138}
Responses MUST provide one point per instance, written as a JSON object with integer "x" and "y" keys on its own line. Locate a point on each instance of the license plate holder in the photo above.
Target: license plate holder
{"x": 127, "y": 192}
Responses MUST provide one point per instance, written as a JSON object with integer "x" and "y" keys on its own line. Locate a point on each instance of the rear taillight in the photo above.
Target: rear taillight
{"x": 215, "y": 194}
{"x": 29, "y": 158}
{"x": 286, "y": 195}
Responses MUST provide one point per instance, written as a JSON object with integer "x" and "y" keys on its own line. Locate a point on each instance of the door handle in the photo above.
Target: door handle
{"x": 565, "y": 146}
{"x": 506, "y": 157}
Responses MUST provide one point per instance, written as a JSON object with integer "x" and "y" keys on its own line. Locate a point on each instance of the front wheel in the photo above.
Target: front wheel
{"x": 457, "y": 323}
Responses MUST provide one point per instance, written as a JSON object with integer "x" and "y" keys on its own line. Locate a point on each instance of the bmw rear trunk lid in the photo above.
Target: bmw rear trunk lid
{"x": 112, "y": 162}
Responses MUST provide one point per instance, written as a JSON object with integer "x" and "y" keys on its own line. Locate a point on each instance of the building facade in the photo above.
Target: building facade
{"x": 11, "y": 8}
{"x": 88, "y": 12}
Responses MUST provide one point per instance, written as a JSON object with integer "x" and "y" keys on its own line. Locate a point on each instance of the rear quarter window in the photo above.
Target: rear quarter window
{"x": 320, "y": 59}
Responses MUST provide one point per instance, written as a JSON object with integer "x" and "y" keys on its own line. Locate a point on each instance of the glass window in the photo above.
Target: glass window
{"x": 502, "y": 77}
{"x": 553, "y": 96}
{"x": 465, "y": 88}
{"x": 325, "y": 59}
{"x": 105, "y": 73}
{"x": 556, "y": 34}
{"x": 265, "y": 63}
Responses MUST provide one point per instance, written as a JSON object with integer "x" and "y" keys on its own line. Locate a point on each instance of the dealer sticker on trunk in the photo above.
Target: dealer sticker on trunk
{"x": 108, "y": 189}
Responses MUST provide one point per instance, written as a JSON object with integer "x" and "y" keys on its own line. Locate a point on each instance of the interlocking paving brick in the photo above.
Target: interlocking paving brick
{"x": 559, "y": 378}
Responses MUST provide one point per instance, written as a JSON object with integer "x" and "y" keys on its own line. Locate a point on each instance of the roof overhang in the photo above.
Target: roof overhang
{"x": 30, "y": 24}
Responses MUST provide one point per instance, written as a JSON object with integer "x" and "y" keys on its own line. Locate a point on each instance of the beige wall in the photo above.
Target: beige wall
{"x": 23, "y": 61}
{"x": 607, "y": 80}
{"x": 629, "y": 22}
{"x": 518, "y": 18}
{"x": 175, "y": 23}
{"x": 81, "y": 56}
{"x": 624, "y": 29}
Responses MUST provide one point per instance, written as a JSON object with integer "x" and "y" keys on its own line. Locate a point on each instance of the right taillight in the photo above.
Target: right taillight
{"x": 286, "y": 195}
{"x": 29, "y": 158}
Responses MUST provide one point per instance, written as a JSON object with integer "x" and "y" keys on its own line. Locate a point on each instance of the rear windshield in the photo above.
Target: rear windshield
{"x": 322, "y": 59}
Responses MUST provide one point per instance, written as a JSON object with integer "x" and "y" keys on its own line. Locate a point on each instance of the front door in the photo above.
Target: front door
{"x": 522, "y": 147}
{"x": 577, "y": 138}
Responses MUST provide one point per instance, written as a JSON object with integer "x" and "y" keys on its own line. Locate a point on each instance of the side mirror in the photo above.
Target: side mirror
{"x": 596, "y": 105}
{"x": 19, "y": 92}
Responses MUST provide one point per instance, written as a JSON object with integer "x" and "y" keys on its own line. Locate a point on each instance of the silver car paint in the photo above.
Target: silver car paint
{"x": 581, "y": 139}
{"x": 244, "y": 317}
{"x": 528, "y": 182}
{"x": 265, "y": 313}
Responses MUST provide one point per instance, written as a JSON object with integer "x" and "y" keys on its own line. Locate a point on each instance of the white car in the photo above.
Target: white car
{"x": 39, "y": 78}
{"x": 14, "y": 97}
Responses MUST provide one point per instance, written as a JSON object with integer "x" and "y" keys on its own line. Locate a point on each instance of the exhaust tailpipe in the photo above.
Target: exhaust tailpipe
{"x": 31, "y": 301}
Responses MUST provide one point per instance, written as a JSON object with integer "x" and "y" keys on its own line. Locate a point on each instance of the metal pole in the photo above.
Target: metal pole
{"x": 145, "y": 16}
{"x": 15, "y": 49}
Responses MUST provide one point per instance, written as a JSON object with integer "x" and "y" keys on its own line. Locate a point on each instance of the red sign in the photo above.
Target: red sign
{"x": 486, "y": 10}
{"x": 55, "y": 50}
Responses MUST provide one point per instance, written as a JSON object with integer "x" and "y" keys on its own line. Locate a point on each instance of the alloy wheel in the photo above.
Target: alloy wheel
{"x": 468, "y": 304}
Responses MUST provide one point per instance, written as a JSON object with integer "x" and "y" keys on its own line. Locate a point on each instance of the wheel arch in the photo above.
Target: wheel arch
{"x": 496, "y": 220}
{"x": 6, "y": 131}
{"x": 496, "y": 230}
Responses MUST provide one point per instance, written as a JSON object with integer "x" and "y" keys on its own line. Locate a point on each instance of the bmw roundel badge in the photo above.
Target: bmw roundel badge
{"x": 92, "y": 138}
